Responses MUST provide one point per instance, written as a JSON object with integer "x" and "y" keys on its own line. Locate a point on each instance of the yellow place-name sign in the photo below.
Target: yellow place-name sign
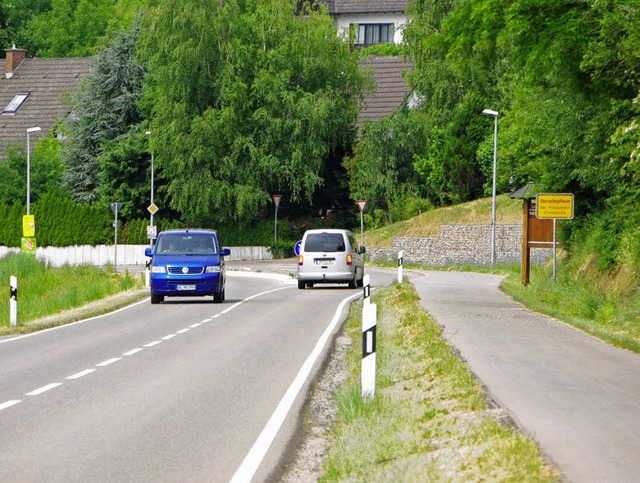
{"x": 554, "y": 205}
{"x": 28, "y": 226}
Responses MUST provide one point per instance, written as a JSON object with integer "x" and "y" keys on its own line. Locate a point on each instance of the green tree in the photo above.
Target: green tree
{"x": 248, "y": 99}
{"x": 72, "y": 28}
{"x": 14, "y": 16}
{"x": 104, "y": 113}
{"x": 382, "y": 169}
{"x": 45, "y": 171}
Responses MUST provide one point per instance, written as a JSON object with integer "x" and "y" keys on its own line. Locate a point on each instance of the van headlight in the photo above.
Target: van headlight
{"x": 158, "y": 269}
{"x": 213, "y": 269}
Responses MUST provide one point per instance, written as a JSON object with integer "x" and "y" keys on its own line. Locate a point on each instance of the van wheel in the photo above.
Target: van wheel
{"x": 156, "y": 299}
{"x": 218, "y": 297}
{"x": 360, "y": 281}
{"x": 301, "y": 285}
{"x": 353, "y": 283}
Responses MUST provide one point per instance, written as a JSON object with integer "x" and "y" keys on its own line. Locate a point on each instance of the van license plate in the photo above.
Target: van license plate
{"x": 186, "y": 287}
{"x": 324, "y": 261}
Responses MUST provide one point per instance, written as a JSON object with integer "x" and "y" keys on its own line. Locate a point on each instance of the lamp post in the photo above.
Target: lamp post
{"x": 148, "y": 133}
{"x": 489, "y": 112}
{"x": 29, "y": 131}
{"x": 276, "y": 203}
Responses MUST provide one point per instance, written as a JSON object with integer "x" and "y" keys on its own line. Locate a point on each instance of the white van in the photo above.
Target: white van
{"x": 330, "y": 256}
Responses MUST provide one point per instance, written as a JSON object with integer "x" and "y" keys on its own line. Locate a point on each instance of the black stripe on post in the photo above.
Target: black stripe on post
{"x": 369, "y": 348}
{"x": 14, "y": 293}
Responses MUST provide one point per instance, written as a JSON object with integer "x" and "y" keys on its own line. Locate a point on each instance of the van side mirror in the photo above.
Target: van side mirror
{"x": 147, "y": 252}
{"x": 225, "y": 252}
{"x": 363, "y": 249}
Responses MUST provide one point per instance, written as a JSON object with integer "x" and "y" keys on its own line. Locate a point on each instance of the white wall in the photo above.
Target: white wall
{"x": 399, "y": 20}
{"x": 102, "y": 255}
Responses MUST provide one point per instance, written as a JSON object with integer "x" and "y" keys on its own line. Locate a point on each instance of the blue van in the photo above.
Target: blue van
{"x": 187, "y": 263}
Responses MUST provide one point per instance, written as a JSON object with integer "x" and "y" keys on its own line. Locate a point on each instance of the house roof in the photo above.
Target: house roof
{"x": 49, "y": 83}
{"x": 337, "y": 7}
{"x": 391, "y": 88}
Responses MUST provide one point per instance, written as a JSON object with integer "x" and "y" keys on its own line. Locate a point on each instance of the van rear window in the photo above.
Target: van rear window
{"x": 324, "y": 242}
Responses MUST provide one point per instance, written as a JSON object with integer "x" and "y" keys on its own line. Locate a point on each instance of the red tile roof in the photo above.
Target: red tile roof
{"x": 49, "y": 83}
{"x": 391, "y": 87}
{"x": 337, "y": 7}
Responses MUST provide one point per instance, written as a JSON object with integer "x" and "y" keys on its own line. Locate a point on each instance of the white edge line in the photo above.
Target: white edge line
{"x": 170, "y": 336}
{"x": 109, "y": 361}
{"x": 46, "y": 388}
{"x": 252, "y": 460}
{"x": 32, "y": 334}
{"x": 182, "y": 331}
{"x": 197, "y": 324}
{"x": 151, "y": 344}
{"x": 80, "y": 374}
{"x": 10, "y": 403}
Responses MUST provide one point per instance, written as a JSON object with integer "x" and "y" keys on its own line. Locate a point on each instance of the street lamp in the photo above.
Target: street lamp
{"x": 29, "y": 131}
{"x": 148, "y": 133}
{"x": 489, "y": 112}
{"x": 276, "y": 203}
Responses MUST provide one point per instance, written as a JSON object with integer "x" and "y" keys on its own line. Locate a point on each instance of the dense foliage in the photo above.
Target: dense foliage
{"x": 103, "y": 128}
{"x": 248, "y": 99}
{"x": 564, "y": 77}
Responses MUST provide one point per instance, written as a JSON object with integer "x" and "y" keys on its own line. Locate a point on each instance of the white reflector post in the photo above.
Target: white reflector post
{"x": 366, "y": 290}
{"x": 400, "y": 256}
{"x": 369, "y": 314}
{"x": 13, "y": 302}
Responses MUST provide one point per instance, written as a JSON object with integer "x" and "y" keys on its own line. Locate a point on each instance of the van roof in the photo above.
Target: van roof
{"x": 195, "y": 231}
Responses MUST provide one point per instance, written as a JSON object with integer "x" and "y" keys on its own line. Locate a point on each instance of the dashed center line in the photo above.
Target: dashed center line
{"x": 108, "y": 361}
{"x": 80, "y": 374}
{"x": 10, "y": 403}
{"x": 46, "y": 388}
{"x": 132, "y": 351}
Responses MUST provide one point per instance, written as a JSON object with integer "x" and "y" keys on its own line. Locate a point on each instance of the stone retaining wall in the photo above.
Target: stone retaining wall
{"x": 461, "y": 245}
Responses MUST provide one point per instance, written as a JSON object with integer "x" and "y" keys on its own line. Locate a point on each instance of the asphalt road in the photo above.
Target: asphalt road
{"x": 578, "y": 397}
{"x": 186, "y": 390}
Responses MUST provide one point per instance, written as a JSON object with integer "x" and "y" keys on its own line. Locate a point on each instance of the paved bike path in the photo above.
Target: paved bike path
{"x": 578, "y": 397}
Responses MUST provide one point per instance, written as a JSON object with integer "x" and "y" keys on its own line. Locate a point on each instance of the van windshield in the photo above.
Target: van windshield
{"x": 324, "y": 242}
{"x": 182, "y": 244}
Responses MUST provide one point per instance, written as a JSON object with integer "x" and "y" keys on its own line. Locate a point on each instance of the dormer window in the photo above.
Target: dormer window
{"x": 15, "y": 104}
{"x": 374, "y": 33}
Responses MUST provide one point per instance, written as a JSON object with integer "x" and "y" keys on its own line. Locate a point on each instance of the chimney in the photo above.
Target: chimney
{"x": 14, "y": 58}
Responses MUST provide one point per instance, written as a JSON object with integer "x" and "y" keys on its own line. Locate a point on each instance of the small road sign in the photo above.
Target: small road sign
{"x": 362, "y": 204}
{"x": 152, "y": 208}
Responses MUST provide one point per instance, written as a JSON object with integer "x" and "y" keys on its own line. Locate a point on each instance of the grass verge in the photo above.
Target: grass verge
{"x": 49, "y": 297}
{"x": 598, "y": 309}
{"x": 429, "y": 420}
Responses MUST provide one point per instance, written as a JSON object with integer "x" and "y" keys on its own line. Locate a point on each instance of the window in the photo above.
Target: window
{"x": 374, "y": 33}
{"x": 16, "y": 103}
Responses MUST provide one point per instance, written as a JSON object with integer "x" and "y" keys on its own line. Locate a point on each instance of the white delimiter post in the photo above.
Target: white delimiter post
{"x": 400, "y": 256}
{"x": 369, "y": 315}
{"x": 13, "y": 302}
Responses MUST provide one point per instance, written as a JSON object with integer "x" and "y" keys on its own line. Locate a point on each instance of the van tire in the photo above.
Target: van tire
{"x": 301, "y": 285}
{"x": 353, "y": 283}
{"x": 218, "y": 298}
{"x": 156, "y": 299}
